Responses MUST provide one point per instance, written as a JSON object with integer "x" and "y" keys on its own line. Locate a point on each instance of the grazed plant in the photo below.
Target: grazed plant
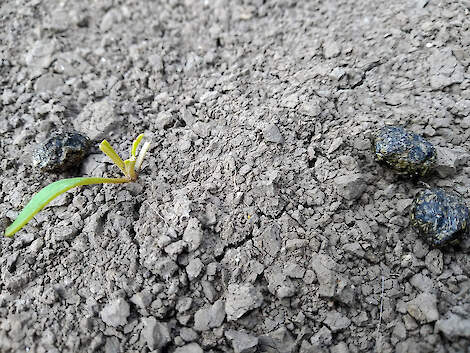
{"x": 130, "y": 168}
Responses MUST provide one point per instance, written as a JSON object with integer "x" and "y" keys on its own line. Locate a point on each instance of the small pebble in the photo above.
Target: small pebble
{"x": 424, "y": 308}
{"x": 336, "y": 321}
{"x": 272, "y": 134}
{"x": 403, "y": 151}
{"x": 189, "y": 348}
{"x": 115, "y": 313}
{"x": 439, "y": 216}
{"x": 241, "y": 299}
{"x": 156, "y": 334}
{"x": 454, "y": 326}
{"x": 242, "y": 342}
{"x": 194, "y": 268}
{"x": 48, "y": 82}
{"x": 61, "y": 152}
{"x": 350, "y": 186}
{"x": 210, "y": 316}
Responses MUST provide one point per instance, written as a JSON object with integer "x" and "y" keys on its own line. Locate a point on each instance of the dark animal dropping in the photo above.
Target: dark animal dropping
{"x": 403, "y": 151}
{"x": 441, "y": 217}
{"x": 61, "y": 151}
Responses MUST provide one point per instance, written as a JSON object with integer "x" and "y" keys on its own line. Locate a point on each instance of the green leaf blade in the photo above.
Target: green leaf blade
{"x": 108, "y": 150}
{"x": 135, "y": 144}
{"x": 50, "y": 192}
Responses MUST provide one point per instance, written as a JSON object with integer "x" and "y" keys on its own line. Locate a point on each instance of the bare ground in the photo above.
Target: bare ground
{"x": 261, "y": 222}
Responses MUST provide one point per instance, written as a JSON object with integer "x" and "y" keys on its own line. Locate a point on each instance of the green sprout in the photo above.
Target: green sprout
{"x": 130, "y": 168}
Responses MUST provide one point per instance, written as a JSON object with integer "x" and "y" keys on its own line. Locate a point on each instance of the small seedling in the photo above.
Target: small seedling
{"x": 130, "y": 168}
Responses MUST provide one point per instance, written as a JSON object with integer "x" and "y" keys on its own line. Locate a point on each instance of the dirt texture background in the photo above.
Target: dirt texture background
{"x": 261, "y": 222}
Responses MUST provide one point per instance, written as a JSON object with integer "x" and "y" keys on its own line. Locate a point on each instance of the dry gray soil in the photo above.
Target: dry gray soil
{"x": 261, "y": 222}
